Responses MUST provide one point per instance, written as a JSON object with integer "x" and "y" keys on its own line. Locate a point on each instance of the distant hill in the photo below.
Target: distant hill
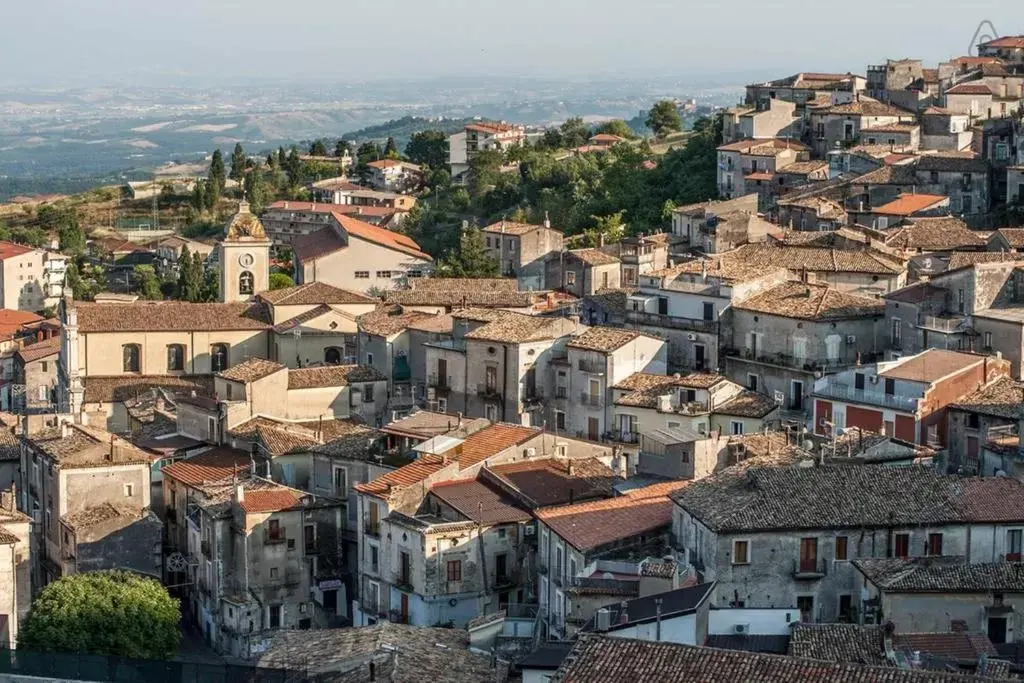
{"x": 403, "y": 128}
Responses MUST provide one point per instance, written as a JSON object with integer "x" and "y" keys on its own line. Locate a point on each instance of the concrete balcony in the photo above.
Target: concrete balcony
{"x": 591, "y": 400}
{"x": 843, "y": 392}
{"x": 671, "y": 322}
{"x": 810, "y": 570}
{"x": 948, "y": 324}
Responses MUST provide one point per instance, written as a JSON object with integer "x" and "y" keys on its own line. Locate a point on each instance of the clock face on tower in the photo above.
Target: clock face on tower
{"x": 245, "y": 260}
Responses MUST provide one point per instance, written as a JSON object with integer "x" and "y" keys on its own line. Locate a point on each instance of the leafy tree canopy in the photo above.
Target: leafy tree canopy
{"x": 318, "y": 148}
{"x": 616, "y": 127}
{"x": 664, "y": 118}
{"x": 280, "y": 281}
{"x": 428, "y": 148}
{"x": 103, "y": 613}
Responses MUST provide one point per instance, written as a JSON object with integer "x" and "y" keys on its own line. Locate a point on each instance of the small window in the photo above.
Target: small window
{"x": 362, "y": 274}
{"x": 291, "y": 544}
{"x": 841, "y": 547}
{"x": 988, "y": 342}
{"x": 560, "y": 420}
{"x": 570, "y": 278}
{"x": 129, "y": 490}
{"x": 369, "y": 359}
{"x": 737, "y": 427}
{"x": 902, "y": 546}
{"x": 934, "y": 544}
{"x": 384, "y": 274}
{"x": 175, "y": 358}
{"x": 44, "y": 366}
{"x": 367, "y": 393}
{"x": 273, "y": 572}
{"x": 130, "y": 356}
{"x": 740, "y": 552}
{"x": 219, "y": 357}
{"x": 455, "y": 570}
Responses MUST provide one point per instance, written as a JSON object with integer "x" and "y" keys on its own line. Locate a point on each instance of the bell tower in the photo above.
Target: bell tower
{"x": 244, "y": 255}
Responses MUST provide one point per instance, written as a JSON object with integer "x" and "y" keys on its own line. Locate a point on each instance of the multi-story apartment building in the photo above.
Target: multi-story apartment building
{"x": 966, "y": 181}
{"x": 287, "y": 220}
{"x": 393, "y": 175}
{"x": 781, "y": 339}
{"x": 790, "y": 545}
{"x": 521, "y": 250}
{"x": 847, "y": 123}
{"x": 690, "y": 221}
{"x": 255, "y": 556}
{"x": 742, "y": 164}
{"x": 35, "y": 376}
{"x": 906, "y": 398}
{"x": 777, "y": 120}
{"x": 490, "y": 135}
{"x": 71, "y": 473}
{"x": 30, "y": 279}
{"x": 1006, "y": 48}
{"x": 596, "y": 361}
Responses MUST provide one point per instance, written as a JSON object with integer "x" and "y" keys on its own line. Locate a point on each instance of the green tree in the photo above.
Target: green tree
{"x": 552, "y": 139}
{"x": 574, "y": 132}
{"x": 71, "y": 235}
{"x": 217, "y": 175}
{"x": 484, "y": 170}
{"x": 664, "y": 118}
{"x": 190, "y": 278}
{"x": 280, "y": 281}
{"x": 293, "y": 167}
{"x": 472, "y": 258}
{"x": 80, "y": 288}
{"x": 210, "y": 291}
{"x": 616, "y": 127}
{"x": 256, "y": 190}
{"x": 342, "y": 147}
{"x": 5, "y": 232}
{"x": 113, "y": 613}
{"x": 428, "y": 148}
{"x": 147, "y": 282}
{"x": 318, "y": 149}
{"x": 29, "y": 236}
{"x": 391, "y": 149}
{"x": 238, "y": 160}
{"x": 199, "y": 196}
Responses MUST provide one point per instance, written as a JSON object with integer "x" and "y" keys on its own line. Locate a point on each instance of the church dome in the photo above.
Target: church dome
{"x": 245, "y": 225}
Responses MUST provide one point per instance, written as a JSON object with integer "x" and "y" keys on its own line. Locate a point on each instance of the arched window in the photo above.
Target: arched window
{"x": 175, "y": 358}
{"x": 245, "y": 282}
{"x": 130, "y": 355}
{"x": 218, "y": 357}
{"x": 332, "y": 355}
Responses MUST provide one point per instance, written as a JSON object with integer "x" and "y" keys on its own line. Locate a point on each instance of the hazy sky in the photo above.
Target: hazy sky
{"x": 47, "y": 42}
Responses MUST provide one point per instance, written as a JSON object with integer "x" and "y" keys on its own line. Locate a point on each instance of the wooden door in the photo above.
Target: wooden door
{"x": 405, "y": 608}
{"x": 593, "y": 429}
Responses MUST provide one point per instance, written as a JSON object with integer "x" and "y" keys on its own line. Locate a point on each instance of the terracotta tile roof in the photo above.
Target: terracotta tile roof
{"x": 98, "y": 514}
{"x": 931, "y": 365}
{"x": 909, "y": 204}
{"x": 1001, "y": 397}
{"x": 1014, "y": 42}
{"x": 125, "y": 387}
{"x": 837, "y": 497}
{"x": 409, "y": 475}
{"x": 480, "y": 503}
{"x": 970, "y": 89}
{"x": 593, "y": 257}
{"x": 317, "y": 244}
{"x": 277, "y": 438}
{"x": 381, "y": 236}
{"x": 611, "y": 300}
{"x": 727, "y": 268}
{"x": 965, "y": 259}
{"x": 214, "y": 465}
{"x": 865, "y": 107}
{"x": 86, "y": 447}
{"x": 312, "y": 293}
{"x": 39, "y": 350}
{"x": 892, "y": 128}
{"x": 604, "y": 339}
{"x": 515, "y": 328}
{"x": 7, "y": 538}
{"x": 586, "y": 526}
{"x": 164, "y": 316}
{"x": 11, "y": 321}
{"x": 303, "y": 318}
{"x": 270, "y": 500}
{"x": 811, "y": 301}
{"x": 332, "y": 376}
{"x": 489, "y": 441}
{"x": 424, "y": 424}
{"x": 345, "y": 439}
{"x": 10, "y": 249}
{"x": 888, "y": 175}
{"x": 945, "y": 574}
{"x": 512, "y": 228}
{"x": 802, "y": 167}
{"x": 865, "y": 644}
{"x": 759, "y": 176}
{"x": 463, "y": 293}
{"x": 645, "y": 388}
{"x": 607, "y": 659}
{"x": 10, "y": 447}
{"x": 817, "y": 260}
{"x": 934, "y": 234}
{"x": 251, "y": 370}
{"x": 549, "y": 481}
{"x": 747, "y": 404}
{"x": 388, "y": 320}
{"x": 390, "y": 163}
{"x": 492, "y": 127}
{"x": 1014, "y": 236}
{"x": 762, "y": 450}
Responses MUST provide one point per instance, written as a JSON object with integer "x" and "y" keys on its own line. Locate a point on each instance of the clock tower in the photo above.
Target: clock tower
{"x": 244, "y": 257}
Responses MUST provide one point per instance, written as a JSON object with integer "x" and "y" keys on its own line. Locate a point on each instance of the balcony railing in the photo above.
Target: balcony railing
{"x": 442, "y": 383}
{"x": 402, "y": 581}
{"x": 591, "y": 367}
{"x": 943, "y": 323}
{"x": 371, "y": 530}
{"x": 799, "y": 362}
{"x": 844, "y": 392}
{"x": 671, "y": 321}
{"x": 488, "y": 391}
{"x": 619, "y": 436}
{"x": 269, "y": 537}
{"x": 809, "y": 569}
{"x": 591, "y": 400}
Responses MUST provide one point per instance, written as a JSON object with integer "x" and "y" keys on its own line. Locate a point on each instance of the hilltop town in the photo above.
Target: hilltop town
{"x": 734, "y": 397}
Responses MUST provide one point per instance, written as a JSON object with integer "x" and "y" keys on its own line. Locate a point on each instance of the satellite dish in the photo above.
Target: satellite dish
{"x": 808, "y": 445}
{"x": 176, "y": 562}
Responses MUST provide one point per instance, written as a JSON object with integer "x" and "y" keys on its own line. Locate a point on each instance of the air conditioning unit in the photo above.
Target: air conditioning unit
{"x": 873, "y": 379}
{"x": 531, "y": 452}
{"x": 529, "y": 530}
{"x": 691, "y": 337}
{"x": 851, "y": 339}
{"x": 741, "y": 629}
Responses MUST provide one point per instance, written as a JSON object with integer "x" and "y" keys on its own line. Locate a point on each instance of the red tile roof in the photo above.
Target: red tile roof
{"x": 932, "y": 365}
{"x": 11, "y": 321}
{"x": 410, "y": 474}
{"x": 9, "y": 249}
{"x": 39, "y": 350}
{"x": 480, "y": 503}
{"x": 590, "y": 525}
{"x": 214, "y": 465}
{"x": 270, "y": 500}
{"x": 970, "y": 89}
{"x": 381, "y": 236}
{"x": 487, "y": 442}
{"x": 1006, "y": 41}
{"x": 909, "y": 204}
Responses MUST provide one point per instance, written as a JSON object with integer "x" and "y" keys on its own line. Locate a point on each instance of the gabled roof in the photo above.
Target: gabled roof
{"x": 332, "y": 376}
{"x": 864, "y": 107}
{"x": 515, "y": 328}
{"x": 970, "y": 89}
{"x": 277, "y": 499}
{"x": 649, "y": 608}
{"x": 39, "y": 350}
{"x": 166, "y": 316}
{"x": 934, "y": 234}
{"x": 1016, "y": 42}
{"x": 1002, "y": 397}
{"x": 942, "y": 574}
{"x": 604, "y": 339}
{"x": 513, "y": 228}
{"x": 865, "y": 644}
{"x": 213, "y": 465}
{"x": 551, "y": 481}
{"x": 251, "y": 370}
{"x": 480, "y": 503}
{"x": 389, "y": 320}
{"x": 409, "y": 475}
{"x": 812, "y": 302}
{"x": 931, "y": 365}
{"x": 909, "y": 204}
{"x": 644, "y": 388}
{"x": 10, "y": 249}
{"x": 312, "y": 293}
{"x": 1014, "y": 237}
{"x": 593, "y": 257}
{"x": 951, "y": 163}
{"x": 481, "y": 445}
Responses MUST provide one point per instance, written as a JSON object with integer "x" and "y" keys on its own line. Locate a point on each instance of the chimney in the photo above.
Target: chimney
{"x": 286, "y": 204}
{"x": 63, "y": 430}
{"x": 547, "y": 220}
{"x": 239, "y": 493}
{"x": 600, "y": 240}
{"x": 312, "y": 207}
{"x": 572, "y": 469}
{"x": 623, "y": 615}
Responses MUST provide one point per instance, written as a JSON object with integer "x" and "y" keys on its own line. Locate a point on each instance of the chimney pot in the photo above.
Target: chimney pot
{"x": 239, "y": 493}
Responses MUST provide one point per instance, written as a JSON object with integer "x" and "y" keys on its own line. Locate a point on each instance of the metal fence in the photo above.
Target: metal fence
{"x": 84, "y": 667}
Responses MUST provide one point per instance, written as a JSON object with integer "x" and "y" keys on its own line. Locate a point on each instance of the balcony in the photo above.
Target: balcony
{"x": 372, "y": 530}
{"x": 810, "y": 569}
{"x": 800, "y": 362}
{"x": 509, "y": 578}
{"x": 533, "y": 395}
{"x": 403, "y": 581}
{"x": 947, "y": 324}
{"x": 619, "y": 436}
{"x": 442, "y": 385}
{"x": 671, "y": 321}
{"x": 591, "y": 367}
{"x": 591, "y": 400}
{"x": 488, "y": 392}
{"x": 272, "y": 538}
{"x": 844, "y": 392}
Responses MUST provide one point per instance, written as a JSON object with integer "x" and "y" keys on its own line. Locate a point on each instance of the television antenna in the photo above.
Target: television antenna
{"x": 980, "y": 37}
